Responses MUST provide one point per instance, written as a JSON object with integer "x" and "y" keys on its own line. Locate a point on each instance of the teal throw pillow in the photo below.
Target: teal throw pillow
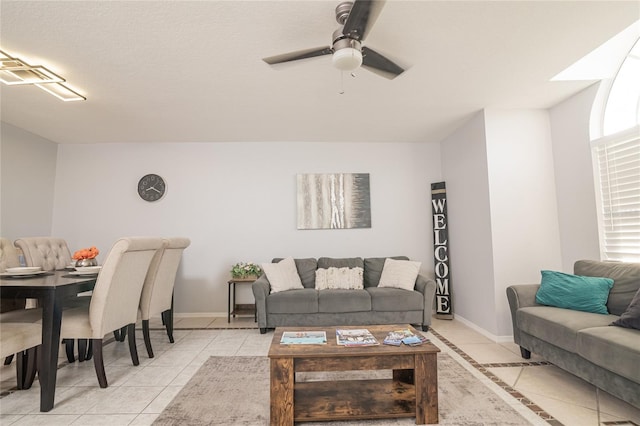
{"x": 588, "y": 294}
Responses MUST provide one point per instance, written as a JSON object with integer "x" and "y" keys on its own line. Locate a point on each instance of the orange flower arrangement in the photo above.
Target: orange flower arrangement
{"x": 86, "y": 253}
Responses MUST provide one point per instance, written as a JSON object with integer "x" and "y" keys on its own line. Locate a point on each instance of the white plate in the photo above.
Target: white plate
{"x": 82, "y": 273}
{"x": 24, "y": 269}
{"x": 22, "y": 274}
{"x": 88, "y": 269}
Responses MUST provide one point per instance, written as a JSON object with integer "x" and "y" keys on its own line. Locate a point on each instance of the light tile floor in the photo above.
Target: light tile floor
{"x": 136, "y": 395}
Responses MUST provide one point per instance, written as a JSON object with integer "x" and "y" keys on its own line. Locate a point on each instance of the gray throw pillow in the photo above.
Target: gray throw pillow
{"x": 631, "y": 317}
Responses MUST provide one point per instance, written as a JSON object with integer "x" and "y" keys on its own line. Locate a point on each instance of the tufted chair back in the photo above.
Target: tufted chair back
{"x": 9, "y": 259}
{"x": 48, "y": 252}
{"x": 8, "y": 255}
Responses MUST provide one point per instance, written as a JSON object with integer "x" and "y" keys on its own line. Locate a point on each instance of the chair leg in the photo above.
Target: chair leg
{"x": 68, "y": 345}
{"x": 147, "y": 338}
{"x": 98, "y": 363}
{"x": 20, "y": 367}
{"x": 132, "y": 344}
{"x": 167, "y": 320}
{"x": 89, "y": 350}
{"x": 8, "y": 360}
{"x": 31, "y": 367}
{"x": 82, "y": 350}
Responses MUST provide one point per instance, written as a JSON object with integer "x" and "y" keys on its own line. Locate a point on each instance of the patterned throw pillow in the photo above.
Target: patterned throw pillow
{"x": 339, "y": 278}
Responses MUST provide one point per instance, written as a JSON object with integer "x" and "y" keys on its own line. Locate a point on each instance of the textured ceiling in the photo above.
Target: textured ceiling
{"x": 182, "y": 71}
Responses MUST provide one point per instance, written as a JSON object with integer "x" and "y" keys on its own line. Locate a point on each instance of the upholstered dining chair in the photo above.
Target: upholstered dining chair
{"x": 115, "y": 300}
{"x": 48, "y": 252}
{"x": 53, "y": 253}
{"x": 21, "y": 339}
{"x": 157, "y": 292}
{"x": 13, "y": 309}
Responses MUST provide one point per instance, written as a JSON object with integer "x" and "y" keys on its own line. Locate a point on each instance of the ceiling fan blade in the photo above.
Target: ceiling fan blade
{"x": 300, "y": 54}
{"x": 361, "y": 18}
{"x": 380, "y": 65}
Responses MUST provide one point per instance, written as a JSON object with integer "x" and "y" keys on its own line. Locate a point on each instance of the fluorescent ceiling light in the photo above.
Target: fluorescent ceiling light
{"x": 15, "y": 71}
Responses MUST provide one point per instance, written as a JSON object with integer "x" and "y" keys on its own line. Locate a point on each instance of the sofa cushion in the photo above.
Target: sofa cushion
{"x": 588, "y": 294}
{"x": 342, "y": 262}
{"x": 373, "y": 269}
{"x": 343, "y": 301}
{"x": 339, "y": 278}
{"x": 302, "y": 301}
{"x": 283, "y": 275}
{"x": 614, "y": 348}
{"x": 626, "y": 280}
{"x": 399, "y": 274}
{"x": 306, "y": 270}
{"x": 631, "y": 317}
{"x": 387, "y": 299}
{"x": 558, "y": 326}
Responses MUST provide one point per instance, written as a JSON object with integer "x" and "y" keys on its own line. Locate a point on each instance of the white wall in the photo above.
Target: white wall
{"x": 237, "y": 202}
{"x": 503, "y": 226}
{"x": 574, "y": 178}
{"x": 524, "y": 214}
{"x": 27, "y": 183}
{"x": 465, "y": 172}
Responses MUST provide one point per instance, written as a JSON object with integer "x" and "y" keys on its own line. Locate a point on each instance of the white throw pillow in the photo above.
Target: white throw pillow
{"x": 282, "y": 275}
{"x": 339, "y": 278}
{"x": 399, "y": 274}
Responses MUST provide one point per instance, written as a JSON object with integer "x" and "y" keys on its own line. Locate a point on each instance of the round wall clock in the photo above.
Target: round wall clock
{"x": 151, "y": 187}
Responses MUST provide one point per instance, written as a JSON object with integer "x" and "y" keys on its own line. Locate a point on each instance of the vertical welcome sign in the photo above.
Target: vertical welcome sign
{"x": 441, "y": 250}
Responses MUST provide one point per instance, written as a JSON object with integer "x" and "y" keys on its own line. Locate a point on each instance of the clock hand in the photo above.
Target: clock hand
{"x": 150, "y": 188}
{"x": 155, "y": 190}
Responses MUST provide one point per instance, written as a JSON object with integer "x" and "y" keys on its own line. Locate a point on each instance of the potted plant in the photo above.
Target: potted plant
{"x": 246, "y": 270}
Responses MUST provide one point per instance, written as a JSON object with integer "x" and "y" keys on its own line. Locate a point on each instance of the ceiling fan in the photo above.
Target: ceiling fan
{"x": 356, "y": 19}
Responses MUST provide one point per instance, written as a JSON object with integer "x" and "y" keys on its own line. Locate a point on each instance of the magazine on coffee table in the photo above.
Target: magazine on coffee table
{"x": 304, "y": 338}
{"x": 355, "y": 337}
{"x": 406, "y": 336}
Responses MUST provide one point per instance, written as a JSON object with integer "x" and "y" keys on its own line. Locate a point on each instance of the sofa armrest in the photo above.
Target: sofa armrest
{"x": 520, "y": 296}
{"x": 427, "y": 287}
{"x": 261, "y": 289}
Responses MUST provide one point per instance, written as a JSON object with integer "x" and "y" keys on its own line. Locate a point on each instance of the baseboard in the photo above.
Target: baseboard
{"x": 491, "y": 336}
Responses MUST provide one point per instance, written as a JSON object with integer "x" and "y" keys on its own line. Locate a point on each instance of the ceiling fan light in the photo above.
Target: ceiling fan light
{"x": 347, "y": 59}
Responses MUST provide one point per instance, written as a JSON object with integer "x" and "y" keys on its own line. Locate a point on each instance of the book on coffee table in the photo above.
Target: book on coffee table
{"x": 355, "y": 337}
{"x": 303, "y": 338}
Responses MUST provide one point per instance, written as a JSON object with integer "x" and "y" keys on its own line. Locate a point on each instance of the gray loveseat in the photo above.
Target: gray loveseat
{"x": 583, "y": 343}
{"x": 309, "y": 307}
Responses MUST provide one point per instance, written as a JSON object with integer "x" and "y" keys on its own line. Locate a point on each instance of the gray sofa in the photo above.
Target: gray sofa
{"x": 582, "y": 343}
{"x": 372, "y": 305}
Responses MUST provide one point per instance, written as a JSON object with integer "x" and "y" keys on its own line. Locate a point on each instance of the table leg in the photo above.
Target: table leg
{"x": 233, "y": 305}
{"x": 48, "y": 360}
{"x": 426, "y": 383}
{"x": 228, "y": 303}
{"x": 282, "y": 382}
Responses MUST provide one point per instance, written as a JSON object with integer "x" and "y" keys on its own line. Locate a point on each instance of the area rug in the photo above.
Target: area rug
{"x": 235, "y": 391}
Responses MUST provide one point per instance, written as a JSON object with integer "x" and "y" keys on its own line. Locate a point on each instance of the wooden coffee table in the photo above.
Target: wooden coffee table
{"x": 412, "y": 392}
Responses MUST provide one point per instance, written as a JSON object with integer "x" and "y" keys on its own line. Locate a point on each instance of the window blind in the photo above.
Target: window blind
{"x": 617, "y": 162}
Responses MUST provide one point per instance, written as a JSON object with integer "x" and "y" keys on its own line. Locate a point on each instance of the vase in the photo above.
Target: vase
{"x": 86, "y": 262}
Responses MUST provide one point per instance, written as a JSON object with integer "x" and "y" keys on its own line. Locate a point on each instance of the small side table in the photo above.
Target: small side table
{"x": 235, "y": 309}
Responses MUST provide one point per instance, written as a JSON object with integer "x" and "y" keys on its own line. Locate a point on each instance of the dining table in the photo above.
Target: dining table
{"x": 52, "y": 290}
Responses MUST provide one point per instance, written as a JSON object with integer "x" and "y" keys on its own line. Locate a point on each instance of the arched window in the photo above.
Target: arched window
{"x": 616, "y": 157}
